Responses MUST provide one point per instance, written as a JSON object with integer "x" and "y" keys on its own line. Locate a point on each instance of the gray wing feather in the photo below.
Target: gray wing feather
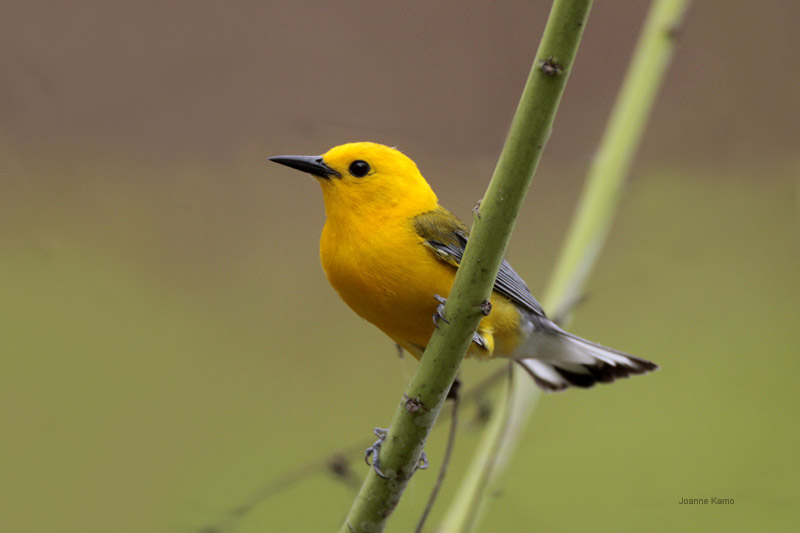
{"x": 508, "y": 282}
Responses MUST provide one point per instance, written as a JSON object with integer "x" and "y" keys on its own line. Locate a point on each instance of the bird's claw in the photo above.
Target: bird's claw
{"x": 477, "y": 209}
{"x": 374, "y": 451}
{"x": 423, "y": 461}
{"x": 439, "y": 314}
{"x": 480, "y": 341}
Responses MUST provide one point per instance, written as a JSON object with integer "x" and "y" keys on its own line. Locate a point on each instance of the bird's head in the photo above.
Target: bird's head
{"x": 364, "y": 176}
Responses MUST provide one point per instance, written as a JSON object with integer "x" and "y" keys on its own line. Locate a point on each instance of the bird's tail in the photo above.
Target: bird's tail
{"x": 560, "y": 360}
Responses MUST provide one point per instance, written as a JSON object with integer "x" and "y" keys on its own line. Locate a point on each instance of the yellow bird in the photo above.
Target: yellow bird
{"x": 391, "y": 252}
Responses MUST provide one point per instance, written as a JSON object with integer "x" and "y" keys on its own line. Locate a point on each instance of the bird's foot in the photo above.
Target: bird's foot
{"x": 439, "y": 314}
{"x": 477, "y": 209}
{"x": 423, "y": 461}
{"x": 480, "y": 341}
{"x": 374, "y": 452}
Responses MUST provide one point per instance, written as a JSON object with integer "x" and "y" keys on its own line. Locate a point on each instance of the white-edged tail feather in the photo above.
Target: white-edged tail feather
{"x": 557, "y": 360}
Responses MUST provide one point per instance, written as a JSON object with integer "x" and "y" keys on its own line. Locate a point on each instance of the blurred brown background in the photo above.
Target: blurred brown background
{"x": 169, "y": 343}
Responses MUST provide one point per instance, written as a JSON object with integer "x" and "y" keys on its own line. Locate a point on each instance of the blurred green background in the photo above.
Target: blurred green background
{"x": 169, "y": 344}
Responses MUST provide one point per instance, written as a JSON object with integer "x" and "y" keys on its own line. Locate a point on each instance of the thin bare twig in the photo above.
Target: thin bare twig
{"x": 489, "y": 467}
{"x": 336, "y": 463}
{"x": 448, "y": 452}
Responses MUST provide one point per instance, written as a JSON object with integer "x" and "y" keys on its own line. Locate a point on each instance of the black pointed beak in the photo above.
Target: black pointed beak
{"x": 313, "y": 164}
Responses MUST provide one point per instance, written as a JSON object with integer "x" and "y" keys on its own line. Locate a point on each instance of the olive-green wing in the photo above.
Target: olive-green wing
{"x": 446, "y": 237}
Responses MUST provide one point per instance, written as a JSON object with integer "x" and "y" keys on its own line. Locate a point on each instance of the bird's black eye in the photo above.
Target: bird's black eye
{"x": 359, "y": 168}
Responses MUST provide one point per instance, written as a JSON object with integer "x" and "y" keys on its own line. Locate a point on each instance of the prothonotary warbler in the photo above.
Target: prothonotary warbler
{"x": 391, "y": 252}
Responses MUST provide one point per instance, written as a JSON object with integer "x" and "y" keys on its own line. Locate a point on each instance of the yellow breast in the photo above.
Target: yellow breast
{"x": 388, "y": 276}
{"x": 385, "y": 274}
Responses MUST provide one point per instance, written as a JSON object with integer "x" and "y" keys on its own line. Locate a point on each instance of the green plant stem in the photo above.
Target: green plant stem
{"x": 427, "y": 390}
{"x": 463, "y": 510}
{"x": 618, "y": 146}
{"x": 585, "y": 239}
